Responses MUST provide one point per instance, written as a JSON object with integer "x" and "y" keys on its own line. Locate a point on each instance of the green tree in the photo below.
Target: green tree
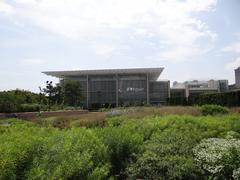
{"x": 53, "y": 93}
{"x": 12, "y": 101}
{"x": 72, "y": 92}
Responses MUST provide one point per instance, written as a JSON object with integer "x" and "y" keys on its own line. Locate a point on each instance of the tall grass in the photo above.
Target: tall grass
{"x": 139, "y": 112}
{"x": 146, "y": 143}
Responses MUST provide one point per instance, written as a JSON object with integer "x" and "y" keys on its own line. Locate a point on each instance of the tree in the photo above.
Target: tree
{"x": 72, "y": 92}
{"x": 53, "y": 93}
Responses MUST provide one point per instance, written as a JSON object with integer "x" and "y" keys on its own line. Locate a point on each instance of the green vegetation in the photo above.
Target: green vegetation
{"x": 52, "y": 97}
{"x": 229, "y": 99}
{"x": 18, "y": 100}
{"x": 140, "y": 143}
{"x": 72, "y": 92}
{"x": 213, "y": 110}
{"x": 31, "y": 152}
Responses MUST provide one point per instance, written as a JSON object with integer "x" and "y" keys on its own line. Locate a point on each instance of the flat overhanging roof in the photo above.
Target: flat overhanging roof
{"x": 153, "y": 73}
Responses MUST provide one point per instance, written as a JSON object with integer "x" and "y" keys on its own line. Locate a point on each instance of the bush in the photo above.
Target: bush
{"x": 213, "y": 110}
{"x": 30, "y": 107}
{"x": 168, "y": 155}
{"x": 224, "y": 99}
{"x": 220, "y": 158}
{"x": 30, "y": 152}
{"x": 10, "y": 101}
{"x": 151, "y": 147}
{"x": 122, "y": 147}
{"x": 75, "y": 154}
{"x": 19, "y": 143}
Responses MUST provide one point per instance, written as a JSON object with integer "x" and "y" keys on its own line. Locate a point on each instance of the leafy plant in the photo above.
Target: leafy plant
{"x": 30, "y": 107}
{"x": 122, "y": 146}
{"x": 75, "y": 154}
{"x": 72, "y": 92}
{"x": 31, "y": 152}
{"x": 168, "y": 155}
{"x": 220, "y": 158}
{"x": 213, "y": 110}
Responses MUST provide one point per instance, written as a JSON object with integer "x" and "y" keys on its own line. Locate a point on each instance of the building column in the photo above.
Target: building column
{"x": 169, "y": 90}
{"x": 116, "y": 90}
{"x": 87, "y": 93}
{"x": 148, "y": 99}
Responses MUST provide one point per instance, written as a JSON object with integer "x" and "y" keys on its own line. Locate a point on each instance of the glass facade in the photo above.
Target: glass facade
{"x": 132, "y": 92}
{"x": 117, "y": 90}
{"x": 102, "y": 92}
{"x": 159, "y": 92}
{"x": 83, "y": 100}
{"x": 178, "y": 93}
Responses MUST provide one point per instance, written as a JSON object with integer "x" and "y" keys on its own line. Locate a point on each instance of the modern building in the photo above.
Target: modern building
{"x": 237, "y": 77}
{"x": 191, "y": 89}
{"x": 236, "y": 85}
{"x": 118, "y": 87}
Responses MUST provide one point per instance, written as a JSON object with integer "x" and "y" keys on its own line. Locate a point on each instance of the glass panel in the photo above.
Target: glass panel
{"x": 159, "y": 92}
{"x": 132, "y": 92}
{"x": 102, "y": 92}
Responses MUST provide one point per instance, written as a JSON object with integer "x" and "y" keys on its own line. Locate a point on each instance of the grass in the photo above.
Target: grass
{"x": 99, "y": 119}
{"x": 133, "y": 143}
{"x": 83, "y": 120}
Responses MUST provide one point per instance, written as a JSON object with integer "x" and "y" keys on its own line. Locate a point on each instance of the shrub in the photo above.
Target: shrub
{"x": 151, "y": 147}
{"x": 224, "y": 99}
{"x": 220, "y": 158}
{"x": 213, "y": 110}
{"x": 10, "y": 101}
{"x": 122, "y": 146}
{"x": 30, "y": 107}
{"x": 168, "y": 155}
{"x": 30, "y": 152}
{"x": 75, "y": 154}
{"x": 18, "y": 146}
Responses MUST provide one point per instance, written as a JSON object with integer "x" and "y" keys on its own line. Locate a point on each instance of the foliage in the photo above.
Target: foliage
{"x": 167, "y": 156}
{"x": 213, "y": 110}
{"x": 220, "y": 158}
{"x": 11, "y": 101}
{"x": 53, "y": 94}
{"x": 158, "y": 146}
{"x": 76, "y": 154}
{"x": 122, "y": 146}
{"x": 30, "y": 107}
{"x": 31, "y": 152}
{"x": 229, "y": 99}
{"x": 224, "y": 99}
{"x": 72, "y": 91}
{"x": 139, "y": 112}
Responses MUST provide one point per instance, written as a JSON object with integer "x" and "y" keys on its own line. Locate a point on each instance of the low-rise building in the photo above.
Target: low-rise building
{"x": 118, "y": 87}
{"x": 195, "y": 88}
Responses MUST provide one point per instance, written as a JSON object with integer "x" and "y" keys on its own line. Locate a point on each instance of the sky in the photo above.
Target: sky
{"x": 191, "y": 39}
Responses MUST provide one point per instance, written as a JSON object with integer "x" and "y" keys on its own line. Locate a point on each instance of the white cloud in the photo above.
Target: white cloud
{"x": 233, "y": 65}
{"x": 234, "y": 47}
{"x": 171, "y": 21}
{"x": 6, "y": 8}
{"x": 33, "y": 61}
{"x": 103, "y": 49}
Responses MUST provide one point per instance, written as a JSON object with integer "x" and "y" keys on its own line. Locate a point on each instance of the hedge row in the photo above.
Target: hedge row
{"x": 18, "y": 101}
{"x": 229, "y": 99}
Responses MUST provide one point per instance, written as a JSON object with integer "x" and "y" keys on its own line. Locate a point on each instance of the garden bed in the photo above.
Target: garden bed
{"x": 34, "y": 115}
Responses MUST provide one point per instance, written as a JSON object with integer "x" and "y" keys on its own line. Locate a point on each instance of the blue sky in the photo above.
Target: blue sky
{"x": 192, "y": 39}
